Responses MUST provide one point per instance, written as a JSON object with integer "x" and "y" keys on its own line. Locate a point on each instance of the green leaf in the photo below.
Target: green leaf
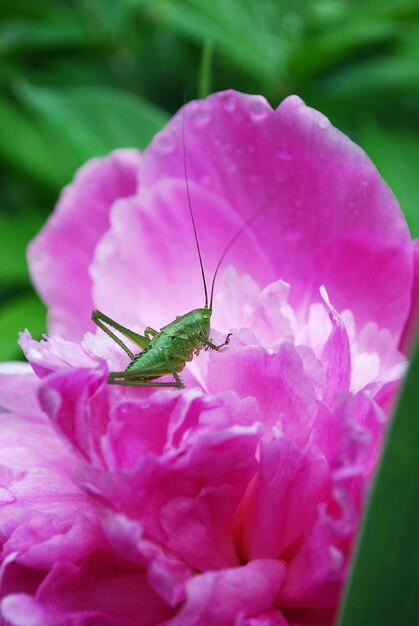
{"x": 26, "y": 146}
{"x": 21, "y": 36}
{"x": 396, "y": 154}
{"x": 25, "y": 311}
{"x": 249, "y": 35}
{"x": 383, "y": 587}
{"x": 325, "y": 50}
{"x": 89, "y": 121}
{"x": 15, "y": 232}
{"x": 390, "y": 77}
{"x": 400, "y": 10}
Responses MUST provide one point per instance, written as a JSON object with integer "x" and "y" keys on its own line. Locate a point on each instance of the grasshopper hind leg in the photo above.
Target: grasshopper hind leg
{"x": 141, "y": 383}
{"x": 105, "y": 323}
{"x": 179, "y": 384}
{"x": 121, "y": 378}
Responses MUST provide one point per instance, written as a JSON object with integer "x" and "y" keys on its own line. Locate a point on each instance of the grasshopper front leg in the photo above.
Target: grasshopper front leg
{"x": 208, "y": 343}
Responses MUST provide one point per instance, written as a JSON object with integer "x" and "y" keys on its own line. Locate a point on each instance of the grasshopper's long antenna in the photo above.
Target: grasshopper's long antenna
{"x": 190, "y": 210}
{"x": 233, "y": 241}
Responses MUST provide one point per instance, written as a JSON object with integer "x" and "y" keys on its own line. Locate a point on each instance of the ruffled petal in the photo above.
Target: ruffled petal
{"x": 285, "y": 391}
{"x": 102, "y": 590}
{"x": 45, "y": 516}
{"x": 218, "y": 598}
{"x": 288, "y": 481}
{"x": 78, "y": 404}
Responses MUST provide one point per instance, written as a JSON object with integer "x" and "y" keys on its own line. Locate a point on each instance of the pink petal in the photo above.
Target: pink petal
{"x": 45, "y": 517}
{"x": 324, "y": 202}
{"x": 77, "y": 401}
{"x": 137, "y": 428}
{"x": 59, "y": 257}
{"x": 166, "y": 574}
{"x": 103, "y": 590}
{"x": 18, "y": 578}
{"x": 219, "y": 598}
{"x": 149, "y": 256}
{"x": 240, "y": 303}
{"x": 52, "y": 354}
{"x": 20, "y": 609}
{"x": 336, "y": 356}
{"x": 314, "y": 577}
{"x": 18, "y": 389}
{"x": 107, "y": 588}
{"x": 288, "y": 482}
{"x": 268, "y": 618}
{"x": 278, "y": 381}
{"x": 350, "y": 436}
{"x": 186, "y": 495}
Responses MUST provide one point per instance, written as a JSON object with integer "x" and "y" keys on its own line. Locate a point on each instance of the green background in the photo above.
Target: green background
{"x": 79, "y": 78}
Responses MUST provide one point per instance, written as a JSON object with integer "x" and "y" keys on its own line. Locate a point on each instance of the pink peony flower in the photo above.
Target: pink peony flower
{"x": 235, "y": 501}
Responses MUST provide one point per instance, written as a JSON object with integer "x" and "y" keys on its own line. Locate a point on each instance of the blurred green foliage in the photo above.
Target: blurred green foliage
{"x": 80, "y": 77}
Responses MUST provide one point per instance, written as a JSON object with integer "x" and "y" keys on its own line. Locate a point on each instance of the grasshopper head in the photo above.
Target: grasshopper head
{"x": 204, "y": 317}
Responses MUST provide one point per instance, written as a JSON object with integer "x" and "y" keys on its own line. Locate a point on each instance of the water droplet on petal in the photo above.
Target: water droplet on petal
{"x": 296, "y": 102}
{"x": 37, "y": 256}
{"x": 283, "y": 153}
{"x": 364, "y": 187}
{"x": 232, "y": 166}
{"x": 201, "y": 114}
{"x": 323, "y": 122}
{"x": 354, "y": 210}
{"x": 164, "y": 142}
{"x": 293, "y": 235}
{"x": 228, "y": 100}
{"x": 258, "y": 107}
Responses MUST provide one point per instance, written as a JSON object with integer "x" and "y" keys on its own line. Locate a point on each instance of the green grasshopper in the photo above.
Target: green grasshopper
{"x": 166, "y": 351}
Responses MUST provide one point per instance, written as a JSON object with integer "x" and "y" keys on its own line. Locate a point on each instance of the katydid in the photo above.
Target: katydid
{"x": 166, "y": 351}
